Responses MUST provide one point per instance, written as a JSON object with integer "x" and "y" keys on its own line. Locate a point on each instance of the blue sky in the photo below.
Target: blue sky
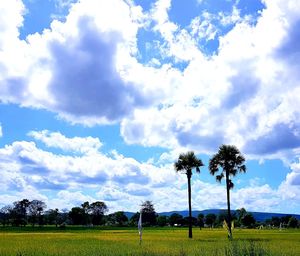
{"x": 99, "y": 98}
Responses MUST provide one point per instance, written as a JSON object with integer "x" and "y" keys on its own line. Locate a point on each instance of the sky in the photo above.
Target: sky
{"x": 99, "y": 98}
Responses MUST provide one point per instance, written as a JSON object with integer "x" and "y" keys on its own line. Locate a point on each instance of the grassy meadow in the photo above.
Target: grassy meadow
{"x": 164, "y": 241}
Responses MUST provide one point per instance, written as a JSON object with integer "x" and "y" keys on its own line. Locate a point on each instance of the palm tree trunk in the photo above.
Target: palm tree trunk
{"x": 190, "y": 206}
{"x": 228, "y": 205}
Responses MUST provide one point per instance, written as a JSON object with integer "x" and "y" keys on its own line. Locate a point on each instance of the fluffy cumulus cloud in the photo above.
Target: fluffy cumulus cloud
{"x": 30, "y": 171}
{"x": 246, "y": 93}
{"x": 58, "y": 140}
{"x": 290, "y": 188}
{"x": 85, "y": 53}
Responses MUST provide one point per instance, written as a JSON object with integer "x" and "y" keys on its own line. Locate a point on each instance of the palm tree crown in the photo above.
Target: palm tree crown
{"x": 230, "y": 160}
{"x": 187, "y": 162}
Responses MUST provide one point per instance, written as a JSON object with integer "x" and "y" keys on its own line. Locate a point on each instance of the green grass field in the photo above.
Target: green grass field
{"x": 165, "y": 241}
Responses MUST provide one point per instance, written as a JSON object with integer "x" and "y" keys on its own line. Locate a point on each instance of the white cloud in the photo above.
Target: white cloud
{"x": 246, "y": 94}
{"x": 35, "y": 172}
{"x": 233, "y": 18}
{"x": 86, "y": 52}
{"x": 61, "y": 4}
{"x": 259, "y": 198}
{"x": 76, "y": 144}
{"x": 11, "y": 19}
{"x": 178, "y": 43}
{"x": 289, "y": 189}
{"x": 11, "y": 69}
{"x": 293, "y": 178}
{"x": 203, "y": 28}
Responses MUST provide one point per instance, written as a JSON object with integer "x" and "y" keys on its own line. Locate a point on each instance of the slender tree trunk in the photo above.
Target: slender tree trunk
{"x": 190, "y": 206}
{"x": 228, "y": 205}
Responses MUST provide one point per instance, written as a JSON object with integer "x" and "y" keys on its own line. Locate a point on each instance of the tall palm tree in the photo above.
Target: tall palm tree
{"x": 186, "y": 163}
{"x": 231, "y": 161}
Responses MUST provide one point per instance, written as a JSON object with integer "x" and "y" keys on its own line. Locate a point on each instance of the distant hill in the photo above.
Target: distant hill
{"x": 259, "y": 216}
{"x": 195, "y": 213}
{"x": 262, "y": 216}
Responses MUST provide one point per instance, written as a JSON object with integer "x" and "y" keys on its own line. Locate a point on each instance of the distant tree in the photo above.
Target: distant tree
{"x": 200, "y": 220}
{"x": 231, "y": 161}
{"x": 221, "y": 217}
{"x": 87, "y": 209}
{"x": 186, "y": 221}
{"x": 148, "y": 213}
{"x": 15, "y": 217}
{"x": 248, "y": 220}
{"x": 35, "y": 210}
{"x": 52, "y": 217}
{"x": 121, "y": 218}
{"x": 293, "y": 222}
{"x": 117, "y": 219}
{"x": 186, "y": 163}
{"x": 275, "y": 221}
{"x": 240, "y": 214}
{"x": 77, "y": 215}
{"x": 210, "y": 219}
{"x": 162, "y": 220}
{"x": 19, "y": 212}
{"x": 97, "y": 210}
{"x": 134, "y": 219}
{"x": 285, "y": 219}
{"x": 175, "y": 218}
{"x": 5, "y": 215}
{"x": 64, "y": 217}
{"x": 268, "y": 222}
{"x": 110, "y": 219}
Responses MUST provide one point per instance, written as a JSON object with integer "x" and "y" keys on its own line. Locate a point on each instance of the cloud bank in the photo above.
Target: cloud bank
{"x": 87, "y": 70}
{"x": 123, "y": 183}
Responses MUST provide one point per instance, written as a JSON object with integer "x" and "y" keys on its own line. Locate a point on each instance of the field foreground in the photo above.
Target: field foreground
{"x": 167, "y": 241}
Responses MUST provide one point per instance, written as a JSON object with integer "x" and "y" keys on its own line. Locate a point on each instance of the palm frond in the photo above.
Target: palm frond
{"x": 230, "y": 184}
{"x": 219, "y": 177}
{"x": 213, "y": 165}
{"x": 233, "y": 172}
{"x": 242, "y": 169}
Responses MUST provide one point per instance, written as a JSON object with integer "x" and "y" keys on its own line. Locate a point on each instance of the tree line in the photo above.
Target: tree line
{"x": 240, "y": 217}
{"x": 34, "y": 213}
{"x": 26, "y": 212}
